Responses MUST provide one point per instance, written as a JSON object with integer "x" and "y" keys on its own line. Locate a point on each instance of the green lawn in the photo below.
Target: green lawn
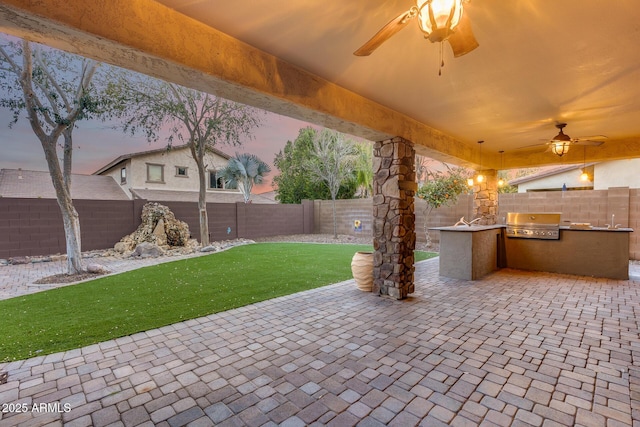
{"x": 119, "y": 305}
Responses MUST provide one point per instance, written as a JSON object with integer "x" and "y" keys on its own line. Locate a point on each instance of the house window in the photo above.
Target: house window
{"x": 155, "y": 173}
{"x": 181, "y": 171}
{"x": 215, "y": 181}
{"x": 123, "y": 176}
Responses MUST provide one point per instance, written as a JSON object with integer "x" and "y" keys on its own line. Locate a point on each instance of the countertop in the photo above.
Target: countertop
{"x": 567, "y": 228}
{"x": 466, "y": 228}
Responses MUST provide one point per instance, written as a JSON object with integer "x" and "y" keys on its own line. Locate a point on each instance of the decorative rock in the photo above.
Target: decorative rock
{"x": 18, "y": 260}
{"x": 159, "y": 233}
{"x": 147, "y": 250}
{"x": 120, "y": 247}
{"x": 97, "y": 269}
{"x": 4, "y": 262}
{"x": 159, "y": 226}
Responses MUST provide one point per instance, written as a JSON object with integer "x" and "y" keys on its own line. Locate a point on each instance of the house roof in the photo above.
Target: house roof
{"x": 192, "y": 196}
{"x": 547, "y": 172}
{"x": 154, "y": 151}
{"x": 270, "y": 195}
{"x": 27, "y": 184}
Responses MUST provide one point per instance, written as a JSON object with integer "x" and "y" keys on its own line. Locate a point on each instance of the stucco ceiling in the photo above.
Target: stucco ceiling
{"x": 539, "y": 62}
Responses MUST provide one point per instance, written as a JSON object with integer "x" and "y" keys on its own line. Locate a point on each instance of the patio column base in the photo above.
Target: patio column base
{"x": 394, "y": 235}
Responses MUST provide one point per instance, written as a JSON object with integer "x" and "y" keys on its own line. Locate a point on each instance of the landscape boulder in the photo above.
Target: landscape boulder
{"x": 94, "y": 268}
{"x": 159, "y": 227}
{"x": 147, "y": 250}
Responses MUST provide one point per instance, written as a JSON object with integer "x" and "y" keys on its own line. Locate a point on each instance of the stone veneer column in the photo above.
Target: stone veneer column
{"x": 394, "y": 235}
{"x": 485, "y": 198}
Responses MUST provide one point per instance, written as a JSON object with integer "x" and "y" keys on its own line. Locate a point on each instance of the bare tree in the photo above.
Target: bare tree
{"x": 54, "y": 88}
{"x": 199, "y": 119}
{"x": 332, "y": 163}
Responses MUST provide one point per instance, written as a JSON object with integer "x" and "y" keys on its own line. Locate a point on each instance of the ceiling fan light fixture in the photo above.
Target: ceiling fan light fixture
{"x": 438, "y": 18}
{"x": 560, "y": 148}
{"x": 561, "y": 142}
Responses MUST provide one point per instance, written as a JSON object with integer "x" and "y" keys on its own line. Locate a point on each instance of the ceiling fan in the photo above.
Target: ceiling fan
{"x": 559, "y": 144}
{"x": 439, "y": 20}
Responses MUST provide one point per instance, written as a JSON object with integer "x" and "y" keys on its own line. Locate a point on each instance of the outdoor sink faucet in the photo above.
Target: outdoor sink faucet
{"x": 613, "y": 224}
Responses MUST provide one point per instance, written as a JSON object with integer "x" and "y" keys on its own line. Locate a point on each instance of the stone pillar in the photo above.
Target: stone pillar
{"x": 485, "y": 198}
{"x": 394, "y": 235}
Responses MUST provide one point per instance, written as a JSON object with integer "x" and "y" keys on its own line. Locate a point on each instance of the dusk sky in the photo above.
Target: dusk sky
{"x": 96, "y": 144}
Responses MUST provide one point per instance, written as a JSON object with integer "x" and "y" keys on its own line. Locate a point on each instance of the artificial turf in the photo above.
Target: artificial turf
{"x": 119, "y": 305}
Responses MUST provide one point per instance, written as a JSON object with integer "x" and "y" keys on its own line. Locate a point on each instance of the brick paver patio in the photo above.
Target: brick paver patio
{"x": 516, "y": 348}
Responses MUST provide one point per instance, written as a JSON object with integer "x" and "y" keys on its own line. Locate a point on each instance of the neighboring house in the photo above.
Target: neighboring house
{"x": 269, "y": 195}
{"x": 164, "y": 175}
{"x": 602, "y": 175}
{"x": 26, "y": 184}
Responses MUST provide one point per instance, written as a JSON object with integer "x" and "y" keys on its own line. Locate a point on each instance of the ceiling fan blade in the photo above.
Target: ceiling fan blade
{"x": 588, "y": 142}
{"x": 462, "y": 41}
{"x": 531, "y": 146}
{"x": 594, "y": 140}
{"x": 385, "y": 33}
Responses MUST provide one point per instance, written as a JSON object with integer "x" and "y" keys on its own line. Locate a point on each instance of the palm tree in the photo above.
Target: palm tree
{"x": 243, "y": 171}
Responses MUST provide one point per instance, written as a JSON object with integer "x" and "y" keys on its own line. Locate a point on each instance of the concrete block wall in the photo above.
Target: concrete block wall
{"x": 32, "y": 227}
{"x": 593, "y": 206}
{"x": 347, "y": 211}
{"x": 576, "y": 206}
{"x": 261, "y": 220}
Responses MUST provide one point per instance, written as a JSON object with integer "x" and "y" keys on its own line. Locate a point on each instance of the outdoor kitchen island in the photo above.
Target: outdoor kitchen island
{"x": 596, "y": 252}
{"x": 471, "y": 252}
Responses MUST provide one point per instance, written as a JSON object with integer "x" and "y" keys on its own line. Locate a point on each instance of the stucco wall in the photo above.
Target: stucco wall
{"x": 569, "y": 178}
{"x": 137, "y": 170}
{"x": 619, "y": 173}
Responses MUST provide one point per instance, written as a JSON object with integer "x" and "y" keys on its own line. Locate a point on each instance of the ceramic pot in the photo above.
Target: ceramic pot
{"x": 362, "y": 269}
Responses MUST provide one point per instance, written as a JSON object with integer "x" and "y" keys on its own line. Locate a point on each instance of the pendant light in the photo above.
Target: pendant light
{"x": 500, "y": 180}
{"x": 480, "y": 177}
{"x": 584, "y": 176}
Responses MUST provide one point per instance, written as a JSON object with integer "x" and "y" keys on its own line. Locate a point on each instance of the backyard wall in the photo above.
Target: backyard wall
{"x": 348, "y": 211}
{"x": 30, "y": 227}
{"x": 593, "y": 206}
{"x": 34, "y": 226}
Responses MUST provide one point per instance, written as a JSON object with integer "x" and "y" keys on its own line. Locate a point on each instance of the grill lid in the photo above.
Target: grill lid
{"x": 545, "y": 219}
{"x": 533, "y": 225}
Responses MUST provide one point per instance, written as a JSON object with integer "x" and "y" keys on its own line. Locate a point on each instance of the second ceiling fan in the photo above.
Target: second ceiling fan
{"x": 439, "y": 20}
{"x": 559, "y": 144}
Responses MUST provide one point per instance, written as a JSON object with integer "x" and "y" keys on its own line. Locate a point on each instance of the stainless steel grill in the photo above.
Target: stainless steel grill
{"x": 533, "y": 225}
